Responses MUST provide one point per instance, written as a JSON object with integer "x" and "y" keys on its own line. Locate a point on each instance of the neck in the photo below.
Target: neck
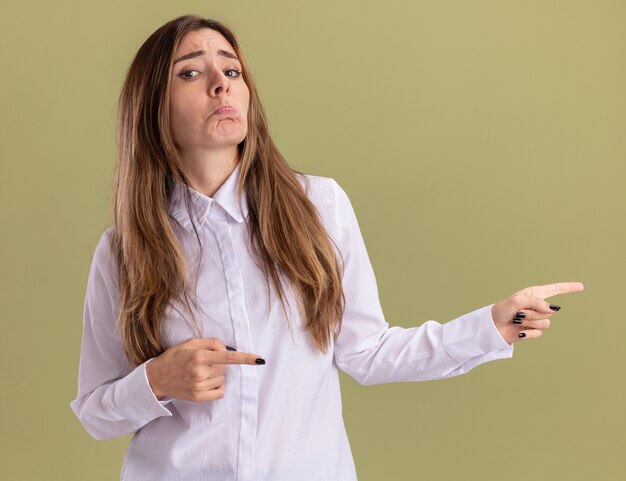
{"x": 207, "y": 172}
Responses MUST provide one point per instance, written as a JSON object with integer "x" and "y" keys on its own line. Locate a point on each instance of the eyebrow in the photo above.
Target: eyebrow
{"x": 197, "y": 53}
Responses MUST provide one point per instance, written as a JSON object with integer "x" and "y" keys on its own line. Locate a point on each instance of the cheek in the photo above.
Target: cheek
{"x": 245, "y": 102}
{"x": 174, "y": 121}
{"x": 178, "y": 121}
{"x": 181, "y": 112}
{"x": 244, "y": 94}
{"x": 177, "y": 105}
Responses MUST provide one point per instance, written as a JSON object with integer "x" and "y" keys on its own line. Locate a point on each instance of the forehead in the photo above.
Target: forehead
{"x": 204, "y": 38}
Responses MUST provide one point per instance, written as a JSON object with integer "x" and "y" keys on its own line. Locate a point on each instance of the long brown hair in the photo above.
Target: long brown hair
{"x": 287, "y": 235}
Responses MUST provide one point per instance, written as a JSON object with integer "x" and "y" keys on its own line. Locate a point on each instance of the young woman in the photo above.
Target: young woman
{"x": 232, "y": 288}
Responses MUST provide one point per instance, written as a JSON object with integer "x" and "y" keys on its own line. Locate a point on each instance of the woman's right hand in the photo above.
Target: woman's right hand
{"x": 194, "y": 370}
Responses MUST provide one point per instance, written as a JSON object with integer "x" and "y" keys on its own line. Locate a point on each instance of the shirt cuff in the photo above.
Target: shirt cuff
{"x": 144, "y": 406}
{"x": 474, "y": 334}
{"x": 163, "y": 401}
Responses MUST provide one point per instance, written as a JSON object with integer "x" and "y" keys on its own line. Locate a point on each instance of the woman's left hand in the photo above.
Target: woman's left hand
{"x": 529, "y": 307}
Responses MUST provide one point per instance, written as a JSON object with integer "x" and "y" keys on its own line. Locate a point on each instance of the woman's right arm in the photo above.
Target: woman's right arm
{"x": 114, "y": 398}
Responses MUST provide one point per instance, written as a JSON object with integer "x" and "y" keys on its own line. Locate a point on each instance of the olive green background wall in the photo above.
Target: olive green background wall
{"x": 482, "y": 145}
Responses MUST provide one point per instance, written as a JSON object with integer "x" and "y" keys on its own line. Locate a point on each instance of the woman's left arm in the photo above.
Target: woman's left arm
{"x": 372, "y": 352}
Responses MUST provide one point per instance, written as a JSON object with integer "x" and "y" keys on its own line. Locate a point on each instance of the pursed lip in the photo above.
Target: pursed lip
{"x": 223, "y": 110}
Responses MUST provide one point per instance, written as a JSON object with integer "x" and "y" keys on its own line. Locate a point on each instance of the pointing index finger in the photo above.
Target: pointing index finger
{"x": 233, "y": 357}
{"x": 550, "y": 290}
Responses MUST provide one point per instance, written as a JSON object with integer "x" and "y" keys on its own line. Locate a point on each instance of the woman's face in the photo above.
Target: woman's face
{"x": 202, "y": 84}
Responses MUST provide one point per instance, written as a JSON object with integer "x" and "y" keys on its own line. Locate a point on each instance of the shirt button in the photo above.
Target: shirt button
{"x": 215, "y": 205}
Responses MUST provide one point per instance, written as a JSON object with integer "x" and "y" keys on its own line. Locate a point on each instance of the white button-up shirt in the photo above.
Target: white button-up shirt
{"x": 281, "y": 421}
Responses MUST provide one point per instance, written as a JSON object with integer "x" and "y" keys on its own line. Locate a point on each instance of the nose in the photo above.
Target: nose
{"x": 219, "y": 84}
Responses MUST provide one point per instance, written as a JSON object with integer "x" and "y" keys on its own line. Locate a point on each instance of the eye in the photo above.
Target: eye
{"x": 184, "y": 72}
{"x": 237, "y": 72}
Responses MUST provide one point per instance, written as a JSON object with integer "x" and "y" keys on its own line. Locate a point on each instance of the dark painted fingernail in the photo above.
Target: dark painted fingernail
{"x": 554, "y": 307}
{"x": 517, "y": 321}
{"x": 260, "y": 361}
{"x": 230, "y": 348}
{"x": 520, "y": 315}
{"x": 522, "y": 334}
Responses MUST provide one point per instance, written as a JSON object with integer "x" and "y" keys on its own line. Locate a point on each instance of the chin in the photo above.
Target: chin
{"x": 231, "y": 141}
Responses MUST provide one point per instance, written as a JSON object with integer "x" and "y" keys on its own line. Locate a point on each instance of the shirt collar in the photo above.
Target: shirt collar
{"x": 202, "y": 205}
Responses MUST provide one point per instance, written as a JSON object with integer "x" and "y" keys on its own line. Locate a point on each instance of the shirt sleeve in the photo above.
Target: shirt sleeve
{"x": 114, "y": 398}
{"x": 372, "y": 352}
